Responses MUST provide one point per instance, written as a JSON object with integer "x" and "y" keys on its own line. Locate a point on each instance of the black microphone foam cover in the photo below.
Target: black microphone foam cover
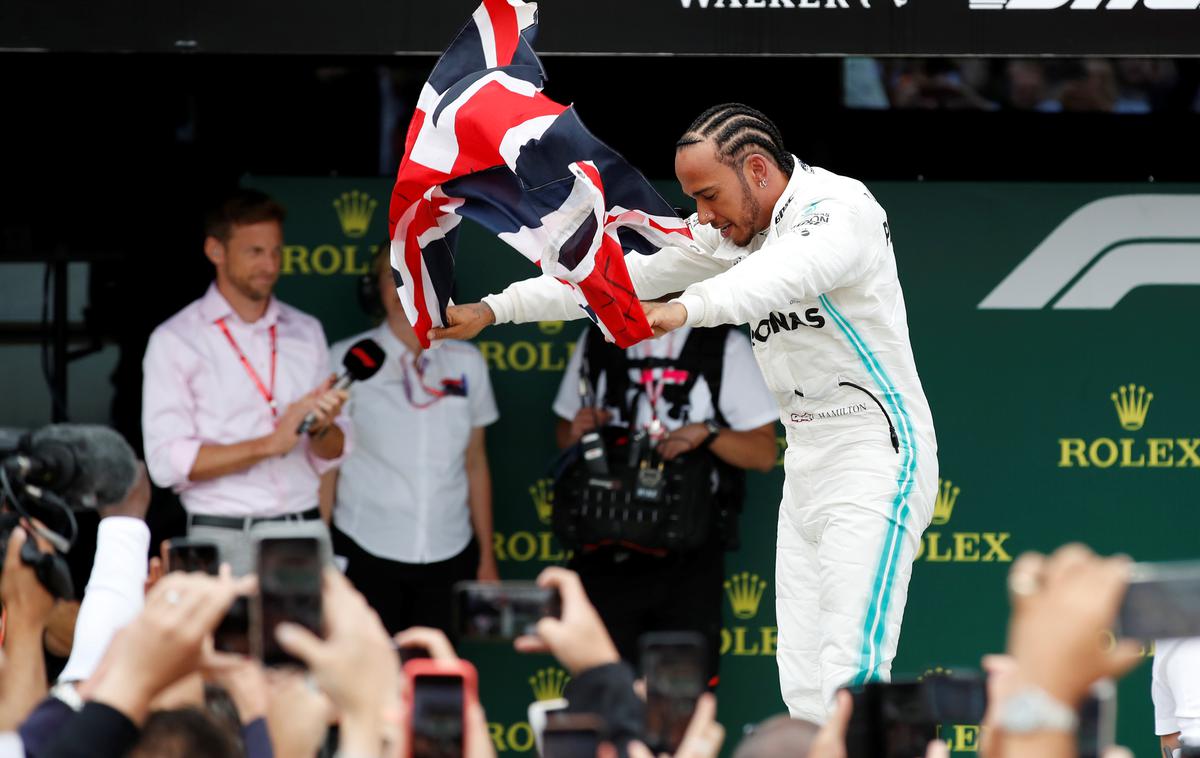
{"x": 86, "y": 464}
{"x": 363, "y": 359}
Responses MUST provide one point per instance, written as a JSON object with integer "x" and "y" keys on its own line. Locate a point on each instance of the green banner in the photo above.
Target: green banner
{"x": 1053, "y": 326}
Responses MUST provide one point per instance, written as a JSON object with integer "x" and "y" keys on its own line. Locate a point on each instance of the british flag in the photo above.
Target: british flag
{"x": 486, "y": 144}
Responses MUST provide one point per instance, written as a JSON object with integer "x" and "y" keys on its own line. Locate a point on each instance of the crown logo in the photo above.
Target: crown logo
{"x": 936, "y": 671}
{"x": 1132, "y": 403}
{"x": 542, "y": 492}
{"x": 354, "y": 210}
{"x": 548, "y": 684}
{"x": 550, "y": 327}
{"x": 745, "y": 591}
{"x": 943, "y": 504}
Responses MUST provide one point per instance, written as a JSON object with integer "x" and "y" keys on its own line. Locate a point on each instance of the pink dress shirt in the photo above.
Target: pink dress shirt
{"x": 197, "y": 391}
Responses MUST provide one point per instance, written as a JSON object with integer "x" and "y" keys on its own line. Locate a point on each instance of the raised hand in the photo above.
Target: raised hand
{"x": 464, "y": 322}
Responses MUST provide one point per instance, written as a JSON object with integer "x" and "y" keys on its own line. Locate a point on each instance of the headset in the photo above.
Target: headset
{"x": 370, "y": 298}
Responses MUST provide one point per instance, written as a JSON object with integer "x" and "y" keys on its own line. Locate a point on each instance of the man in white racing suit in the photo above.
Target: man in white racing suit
{"x": 804, "y": 257}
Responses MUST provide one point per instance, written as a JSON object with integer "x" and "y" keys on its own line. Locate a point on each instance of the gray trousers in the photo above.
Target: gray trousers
{"x": 239, "y": 547}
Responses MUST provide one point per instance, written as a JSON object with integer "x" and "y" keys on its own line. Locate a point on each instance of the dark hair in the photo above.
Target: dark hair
{"x": 183, "y": 733}
{"x": 238, "y": 208}
{"x": 737, "y": 129}
{"x": 223, "y": 712}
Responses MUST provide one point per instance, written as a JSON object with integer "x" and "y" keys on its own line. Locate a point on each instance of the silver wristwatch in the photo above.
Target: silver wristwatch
{"x": 1032, "y": 709}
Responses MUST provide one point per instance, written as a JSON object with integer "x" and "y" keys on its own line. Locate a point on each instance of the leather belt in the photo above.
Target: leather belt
{"x": 230, "y": 522}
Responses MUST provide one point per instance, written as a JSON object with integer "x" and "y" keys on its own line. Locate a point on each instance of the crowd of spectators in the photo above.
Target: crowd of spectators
{"x": 1096, "y": 85}
{"x": 144, "y": 680}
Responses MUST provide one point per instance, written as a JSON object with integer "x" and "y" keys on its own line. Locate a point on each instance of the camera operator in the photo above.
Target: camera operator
{"x": 697, "y": 410}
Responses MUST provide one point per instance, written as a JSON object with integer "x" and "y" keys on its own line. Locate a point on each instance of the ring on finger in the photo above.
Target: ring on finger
{"x": 1023, "y": 583}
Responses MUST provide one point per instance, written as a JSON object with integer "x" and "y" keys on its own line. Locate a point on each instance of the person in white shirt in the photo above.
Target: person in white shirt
{"x": 228, "y": 381}
{"x": 1175, "y": 688}
{"x": 412, "y": 504}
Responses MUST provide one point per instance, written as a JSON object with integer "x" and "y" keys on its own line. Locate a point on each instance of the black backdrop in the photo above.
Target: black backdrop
{"x": 707, "y": 27}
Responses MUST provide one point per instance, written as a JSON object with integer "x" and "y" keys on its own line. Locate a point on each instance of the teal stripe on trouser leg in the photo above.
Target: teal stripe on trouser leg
{"x": 875, "y": 624}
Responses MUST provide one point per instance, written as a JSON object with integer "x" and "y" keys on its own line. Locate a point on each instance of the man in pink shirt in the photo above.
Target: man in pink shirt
{"x": 228, "y": 381}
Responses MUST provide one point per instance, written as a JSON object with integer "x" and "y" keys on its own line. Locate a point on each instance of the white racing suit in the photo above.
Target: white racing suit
{"x": 820, "y": 293}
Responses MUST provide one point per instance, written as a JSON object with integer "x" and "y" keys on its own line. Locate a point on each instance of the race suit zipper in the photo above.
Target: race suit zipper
{"x": 891, "y": 427}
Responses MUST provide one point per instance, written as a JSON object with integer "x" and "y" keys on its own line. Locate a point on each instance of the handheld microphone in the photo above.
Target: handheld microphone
{"x": 362, "y": 360}
{"x": 86, "y": 464}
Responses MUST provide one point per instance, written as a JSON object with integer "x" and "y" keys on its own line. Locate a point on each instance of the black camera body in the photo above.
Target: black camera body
{"x": 51, "y": 568}
{"x": 48, "y": 474}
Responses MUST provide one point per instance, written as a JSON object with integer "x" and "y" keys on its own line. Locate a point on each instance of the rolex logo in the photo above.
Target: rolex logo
{"x": 542, "y": 493}
{"x": 936, "y": 671}
{"x": 943, "y": 505}
{"x": 548, "y": 684}
{"x": 1132, "y": 403}
{"x": 354, "y": 211}
{"x": 745, "y": 591}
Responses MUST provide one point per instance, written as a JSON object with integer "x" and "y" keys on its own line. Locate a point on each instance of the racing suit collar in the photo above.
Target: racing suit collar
{"x": 798, "y": 187}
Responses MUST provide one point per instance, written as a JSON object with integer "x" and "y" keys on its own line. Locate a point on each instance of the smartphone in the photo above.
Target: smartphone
{"x": 502, "y": 611}
{"x": 572, "y": 735}
{"x": 411, "y": 653}
{"x": 959, "y": 697}
{"x": 1097, "y": 720}
{"x": 1161, "y": 602}
{"x": 673, "y": 664}
{"x": 289, "y": 589}
{"x": 441, "y": 693}
{"x": 187, "y": 554}
{"x": 538, "y": 712}
{"x": 891, "y": 720}
{"x": 232, "y": 635}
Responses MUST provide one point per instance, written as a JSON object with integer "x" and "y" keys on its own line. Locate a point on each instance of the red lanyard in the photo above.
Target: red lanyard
{"x": 449, "y": 386}
{"x": 655, "y": 393}
{"x": 435, "y": 394}
{"x": 268, "y": 394}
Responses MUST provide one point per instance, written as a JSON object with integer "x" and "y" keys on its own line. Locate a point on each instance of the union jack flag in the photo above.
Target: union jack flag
{"x": 486, "y": 144}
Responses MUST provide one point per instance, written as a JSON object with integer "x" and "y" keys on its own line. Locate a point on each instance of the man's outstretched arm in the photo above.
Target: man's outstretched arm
{"x": 544, "y": 298}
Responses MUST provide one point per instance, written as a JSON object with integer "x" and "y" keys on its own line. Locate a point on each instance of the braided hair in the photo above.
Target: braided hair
{"x": 737, "y": 129}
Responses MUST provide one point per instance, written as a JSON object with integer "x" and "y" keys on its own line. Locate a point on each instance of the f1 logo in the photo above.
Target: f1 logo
{"x": 1104, "y": 251}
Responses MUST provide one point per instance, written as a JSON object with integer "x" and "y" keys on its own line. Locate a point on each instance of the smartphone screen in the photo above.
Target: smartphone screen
{"x": 289, "y": 589}
{"x": 571, "y": 735}
{"x": 184, "y": 554}
{"x": 673, "y": 664}
{"x": 1162, "y": 602}
{"x": 232, "y": 635}
{"x": 501, "y": 611}
{"x": 437, "y": 716}
{"x": 891, "y": 720}
{"x": 959, "y": 698}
